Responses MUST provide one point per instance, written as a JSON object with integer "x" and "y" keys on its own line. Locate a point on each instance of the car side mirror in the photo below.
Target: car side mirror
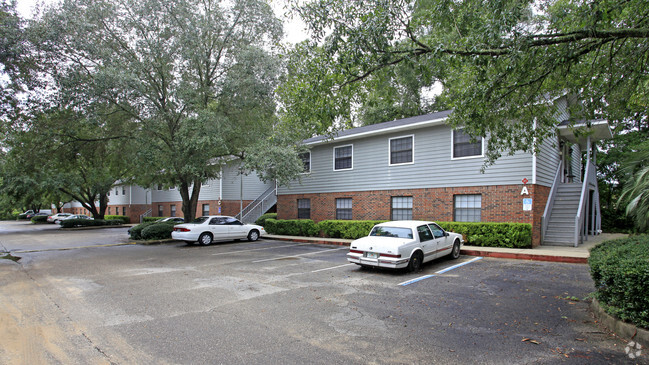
{"x": 445, "y": 234}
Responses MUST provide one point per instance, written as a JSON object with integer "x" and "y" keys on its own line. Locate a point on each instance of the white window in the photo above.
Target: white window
{"x": 402, "y": 150}
{"x": 206, "y": 209}
{"x": 304, "y": 209}
{"x": 467, "y": 208}
{"x": 463, "y": 147}
{"x": 173, "y": 210}
{"x": 344, "y": 208}
{"x": 401, "y": 208}
{"x": 343, "y": 157}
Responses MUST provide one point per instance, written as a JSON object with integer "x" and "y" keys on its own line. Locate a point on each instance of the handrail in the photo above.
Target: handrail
{"x": 253, "y": 205}
{"x": 545, "y": 221}
{"x": 580, "y": 222}
{"x": 146, "y": 214}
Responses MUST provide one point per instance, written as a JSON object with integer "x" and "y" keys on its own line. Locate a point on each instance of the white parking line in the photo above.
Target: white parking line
{"x": 331, "y": 268}
{"x": 259, "y": 249}
{"x": 304, "y": 254}
{"x": 411, "y": 281}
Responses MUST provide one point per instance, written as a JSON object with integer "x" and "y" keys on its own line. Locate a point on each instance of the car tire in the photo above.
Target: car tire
{"x": 415, "y": 262}
{"x": 455, "y": 251}
{"x": 205, "y": 239}
{"x": 57, "y": 222}
{"x": 253, "y": 235}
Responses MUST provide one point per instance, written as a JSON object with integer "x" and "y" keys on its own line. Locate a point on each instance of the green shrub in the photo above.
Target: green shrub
{"x": 37, "y": 219}
{"x": 136, "y": 232}
{"x": 261, "y": 221}
{"x": 70, "y": 223}
{"x": 512, "y": 235}
{"x": 152, "y": 219}
{"x": 292, "y": 227}
{"x": 157, "y": 231}
{"x": 9, "y": 216}
{"x": 122, "y": 218}
{"x": 620, "y": 270}
{"x": 346, "y": 229}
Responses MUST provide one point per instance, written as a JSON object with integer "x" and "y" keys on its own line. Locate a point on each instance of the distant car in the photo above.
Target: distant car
{"x": 76, "y": 216}
{"x": 208, "y": 229}
{"x": 58, "y": 217}
{"x": 404, "y": 244}
{"x": 173, "y": 219}
{"x": 25, "y": 214}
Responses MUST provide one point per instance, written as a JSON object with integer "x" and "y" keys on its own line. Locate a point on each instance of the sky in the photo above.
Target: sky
{"x": 294, "y": 29}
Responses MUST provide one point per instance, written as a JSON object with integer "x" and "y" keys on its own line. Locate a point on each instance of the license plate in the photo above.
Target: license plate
{"x": 372, "y": 255}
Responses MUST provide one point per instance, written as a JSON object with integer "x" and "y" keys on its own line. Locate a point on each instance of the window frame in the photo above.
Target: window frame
{"x": 299, "y": 216}
{"x": 203, "y": 209}
{"x": 455, "y": 207}
{"x": 412, "y": 150}
{"x": 392, "y": 209}
{"x": 351, "y": 157}
{"x": 309, "y": 170}
{"x": 172, "y": 210}
{"x": 482, "y": 146}
{"x": 339, "y": 211}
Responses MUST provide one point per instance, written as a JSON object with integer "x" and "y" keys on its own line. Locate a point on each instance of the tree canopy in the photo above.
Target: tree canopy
{"x": 502, "y": 60}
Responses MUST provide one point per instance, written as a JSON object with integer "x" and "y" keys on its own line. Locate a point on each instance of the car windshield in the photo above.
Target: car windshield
{"x": 200, "y": 220}
{"x": 398, "y": 232}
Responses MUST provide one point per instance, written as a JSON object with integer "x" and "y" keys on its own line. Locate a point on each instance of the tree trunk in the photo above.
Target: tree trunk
{"x": 190, "y": 202}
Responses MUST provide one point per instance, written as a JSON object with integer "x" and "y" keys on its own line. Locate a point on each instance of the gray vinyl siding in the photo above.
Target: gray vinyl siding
{"x": 576, "y": 163}
{"x": 132, "y": 195}
{"x": 433, "y": 166}
{"x": 547, "y": 161}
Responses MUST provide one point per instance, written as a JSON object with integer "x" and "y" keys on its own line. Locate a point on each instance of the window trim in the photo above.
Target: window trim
{"x": 481, "y": 155}
{"x": 455, "y": 196}
{"x": 392, "y": 209}
{"x": 412, "y": 137}
{"x": 334, "y": 157}
{"x": 303, "y": 209}
{"x": 309, "y": 152}
{"x": 351, "y": 210}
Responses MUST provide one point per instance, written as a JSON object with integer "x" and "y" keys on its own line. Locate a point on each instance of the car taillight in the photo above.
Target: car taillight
{"x": 390, "y": 255}
{"x": 180, "y": 229}
{"x": 355, "y": 251}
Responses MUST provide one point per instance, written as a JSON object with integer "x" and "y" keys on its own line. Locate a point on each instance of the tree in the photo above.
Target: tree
{"x": 167, "y": 64}
{"x": 635, "y": 194}
{"x": 502, "y": 60}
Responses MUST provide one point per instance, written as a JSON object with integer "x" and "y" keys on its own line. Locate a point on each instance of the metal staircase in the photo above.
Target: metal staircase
{"x": 261, "y": 205}
{"x": 561, "y": 223}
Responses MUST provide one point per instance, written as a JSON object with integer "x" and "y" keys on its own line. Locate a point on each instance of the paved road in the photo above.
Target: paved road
{"x": 276, "y": 302}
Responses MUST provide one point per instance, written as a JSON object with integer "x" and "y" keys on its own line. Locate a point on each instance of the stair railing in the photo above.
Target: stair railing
{"x": 145, "y": 214}
{"x": 266, "y": 200}
{"x": 581, "y": 223}
{"x": 545, "y": 219}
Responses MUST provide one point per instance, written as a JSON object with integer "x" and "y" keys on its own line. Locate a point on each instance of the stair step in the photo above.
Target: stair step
{"x": 555, "y": 243}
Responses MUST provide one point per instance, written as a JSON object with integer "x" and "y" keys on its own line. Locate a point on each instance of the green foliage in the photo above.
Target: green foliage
{"x": 636, "y": 191}
{"x": 512, "y": 235}
{"x": 297, "y": 227}
{"x": 136, "y": 231}
{"x": 122, "y": 218}
{"x": 261, "y": 221}
{"x": 620, "y": 270}
{"x": 12, "y": 216}
{"x": 153, "y": 219}
{"x": 71, "y": 223}
{"x": 37, "y": 219}
{"x": 346, "y": 228}
{"x": 157, "y": 231}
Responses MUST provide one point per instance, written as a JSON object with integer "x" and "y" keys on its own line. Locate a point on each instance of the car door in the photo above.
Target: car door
{"x": 441, "y": 240}
{"x": 427, "y": 241}
{"x": 236, "y": 229}
{"x": 218, "y": 228}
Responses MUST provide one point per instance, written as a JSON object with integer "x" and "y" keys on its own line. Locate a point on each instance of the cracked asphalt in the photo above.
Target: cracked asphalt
{"x": 93, "y": 297}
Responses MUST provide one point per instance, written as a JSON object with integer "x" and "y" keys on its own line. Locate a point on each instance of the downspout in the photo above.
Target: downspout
{"x": 534, "y": 155}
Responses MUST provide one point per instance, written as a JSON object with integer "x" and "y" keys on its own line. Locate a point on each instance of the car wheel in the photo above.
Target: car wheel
{"x": 58, "y": 221}
{"x": 253, "y": 235}
{"x": 455, "y": 252}
{"x": 205, "y": 239}
{"x": 416, "y": 260}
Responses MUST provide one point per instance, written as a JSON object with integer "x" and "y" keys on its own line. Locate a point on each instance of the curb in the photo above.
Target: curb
{"x": 622, "y": 329}
{"x": 525, "y": 256}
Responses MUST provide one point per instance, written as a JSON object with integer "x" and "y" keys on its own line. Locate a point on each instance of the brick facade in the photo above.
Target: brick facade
{"x": 500, "y": 203}
{"x": 228, "y": 207}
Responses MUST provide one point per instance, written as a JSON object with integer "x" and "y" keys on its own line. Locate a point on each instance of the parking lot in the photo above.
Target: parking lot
{"x": 92, "y": 297}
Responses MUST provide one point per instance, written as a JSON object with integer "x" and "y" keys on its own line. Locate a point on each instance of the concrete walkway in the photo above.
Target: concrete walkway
{"x": 543, "y": 253}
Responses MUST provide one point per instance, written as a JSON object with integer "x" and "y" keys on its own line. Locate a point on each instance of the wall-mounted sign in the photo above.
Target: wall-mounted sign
{"x": 527, "y": 204}
{"x": 524, "y": 191}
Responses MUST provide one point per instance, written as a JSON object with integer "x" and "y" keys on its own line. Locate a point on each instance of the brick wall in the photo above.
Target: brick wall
{"x": 500, "y": 203}
{"x": 228, "y": 207}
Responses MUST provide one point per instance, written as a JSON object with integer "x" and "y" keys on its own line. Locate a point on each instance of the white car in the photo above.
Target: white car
{"x": 205, "y": 230}
{"x": 58, "y": 217}
{"x": 401, "y": 244}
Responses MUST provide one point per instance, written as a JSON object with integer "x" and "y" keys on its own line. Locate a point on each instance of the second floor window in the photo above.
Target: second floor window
{"x": 463, "y": 147}
{"x": 306, "y": 161}
{"x": 343, "y": 157}
{"x": 401, "y": 150}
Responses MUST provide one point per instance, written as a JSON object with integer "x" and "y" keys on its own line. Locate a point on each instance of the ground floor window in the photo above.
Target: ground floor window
{"x": 344, "y": 208}
{"x": 123, "y": 210}
{"x": 173, "y": 210}
{"x": 206, "y": 209}
{"x": 401, "y": 208}
{"x": 304, "y": 209}
{"x": 467, "y": 208}
{"x": 160, "y": 211}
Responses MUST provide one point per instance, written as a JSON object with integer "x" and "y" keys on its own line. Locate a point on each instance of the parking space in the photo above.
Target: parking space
{"x": 281, "y": 302}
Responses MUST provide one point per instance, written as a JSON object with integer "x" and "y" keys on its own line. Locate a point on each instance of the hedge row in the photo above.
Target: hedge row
{"x": 152, "y": 230}
{"x": 37, "y": 219}
{"x": 124, "y": 219}
{"x": 620, "y": 270}
{"x": 152, "y": 219}
{"x": 70, "y": 223}
{"x": 518, "y": 235}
